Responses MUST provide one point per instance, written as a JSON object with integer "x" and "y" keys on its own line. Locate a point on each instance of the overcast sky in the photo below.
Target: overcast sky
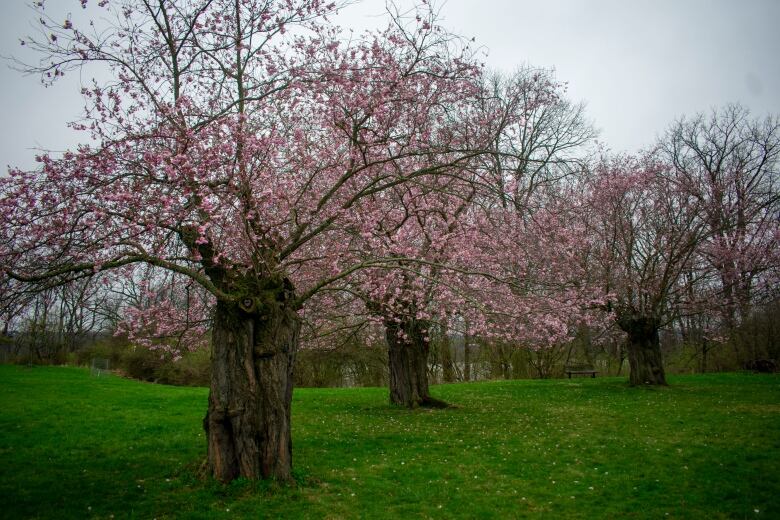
{"x": 638, "y": 64}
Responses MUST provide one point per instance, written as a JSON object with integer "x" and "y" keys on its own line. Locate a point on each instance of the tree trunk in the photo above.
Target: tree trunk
{"x": 704, "y": 350}
{"x": 466, "y": 359}
{"x": 248, "y": 419}
{"x": 408, "y": 360}
{"x": 446, "y": 359}
{"x": 644, "y": 351}
{"x": 621, "y": 356}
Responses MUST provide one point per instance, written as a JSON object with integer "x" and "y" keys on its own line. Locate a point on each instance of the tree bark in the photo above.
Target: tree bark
{"x": 448, "y": 374}
{"x": 466, "y": 359}
{"x": 408, "y": 351}
{"x": 644, "y": 351}
{"x": 248, "y": 421}
{"x": 705, "y": 348}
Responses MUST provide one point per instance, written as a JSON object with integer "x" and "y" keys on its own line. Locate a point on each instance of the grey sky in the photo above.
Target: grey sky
{"x": 638, "y": 64}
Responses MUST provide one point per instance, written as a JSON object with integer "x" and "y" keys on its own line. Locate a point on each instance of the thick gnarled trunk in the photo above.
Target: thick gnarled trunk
{"x": 408, "y": 349}
{"x": 644, "y": 351}
{"x": 248, "y": 420}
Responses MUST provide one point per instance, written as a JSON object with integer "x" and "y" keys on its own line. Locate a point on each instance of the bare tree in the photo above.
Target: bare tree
{"x": 728, "y": 163}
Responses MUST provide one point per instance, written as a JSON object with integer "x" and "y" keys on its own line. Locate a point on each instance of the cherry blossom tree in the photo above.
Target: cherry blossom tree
{"x": 440, "y": 230}
{"x": 539, "y": 292}
{"x": 411, "y": 299}
{"x": 540, "y": 146}
{"x": 646, "y": 233}
{"x": 239, "y": 144}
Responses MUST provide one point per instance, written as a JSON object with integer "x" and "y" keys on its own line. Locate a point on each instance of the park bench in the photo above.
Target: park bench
{"x": 581, "y": 369}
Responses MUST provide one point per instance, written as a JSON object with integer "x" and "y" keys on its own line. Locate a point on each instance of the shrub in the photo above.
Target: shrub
{"x": 193, "y": 369}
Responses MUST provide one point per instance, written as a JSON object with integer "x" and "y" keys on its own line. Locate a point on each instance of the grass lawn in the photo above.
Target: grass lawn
{"x": 76, "y": 446}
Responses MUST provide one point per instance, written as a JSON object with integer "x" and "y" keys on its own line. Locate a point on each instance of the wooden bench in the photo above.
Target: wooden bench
{"x": 581, "y": 369}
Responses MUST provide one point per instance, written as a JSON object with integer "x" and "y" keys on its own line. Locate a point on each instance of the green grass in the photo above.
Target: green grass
{"x": 76, "y": 446}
